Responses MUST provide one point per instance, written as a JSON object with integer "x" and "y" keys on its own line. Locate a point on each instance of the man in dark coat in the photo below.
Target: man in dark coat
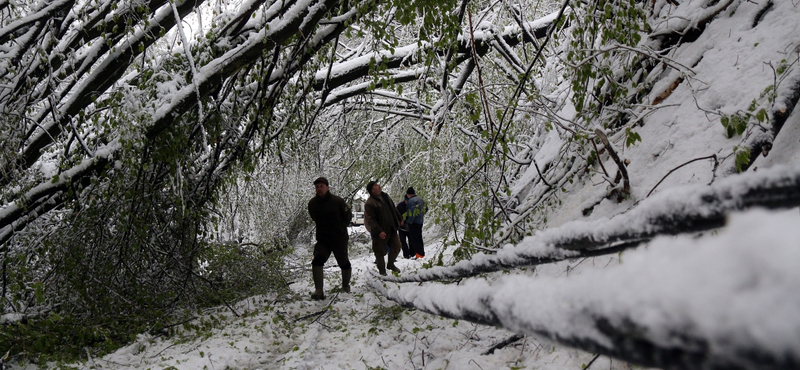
{"x": 332, "y": 216}
{"x": 382, "y": 221}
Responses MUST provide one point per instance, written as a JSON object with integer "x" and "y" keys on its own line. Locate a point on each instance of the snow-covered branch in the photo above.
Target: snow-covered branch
{"x": 405, "y": 56}
{"x": 674, "y": 211}
{"x": 208, "y": 79}
{"x": 674, "y": 305}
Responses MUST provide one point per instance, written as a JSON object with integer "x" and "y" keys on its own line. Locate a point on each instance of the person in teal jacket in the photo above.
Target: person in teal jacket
{"x": 402, "y": 231}
{"x": 415, "y": 217}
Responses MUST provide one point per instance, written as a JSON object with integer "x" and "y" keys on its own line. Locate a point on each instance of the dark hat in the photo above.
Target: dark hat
{"x": 322, "y": 180}
{"x": 370, "y": 185}
{"x": 410, "y": 190}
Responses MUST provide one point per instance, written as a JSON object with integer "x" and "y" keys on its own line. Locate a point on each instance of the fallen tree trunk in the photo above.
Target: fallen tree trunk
{"x": 676, "y": 211}
{"x": 709, "y": 303}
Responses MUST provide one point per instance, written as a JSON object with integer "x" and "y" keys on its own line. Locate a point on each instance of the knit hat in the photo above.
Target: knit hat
{"x": 370, "y": 185}
{"x": 410, "y": 190}
{"x": 322, "y": 180}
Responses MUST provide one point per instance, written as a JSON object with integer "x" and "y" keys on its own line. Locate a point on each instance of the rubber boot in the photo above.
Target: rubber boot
{"x": 393, "y": 257}
{"x": 379, "y": 252}
{"x": 381, "y": 265}
{"x": 318, "y": 274}
{"x": 346, "y": 280}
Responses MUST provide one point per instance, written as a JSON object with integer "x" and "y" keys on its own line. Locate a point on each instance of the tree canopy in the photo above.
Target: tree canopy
{"x": 156, "y": 156}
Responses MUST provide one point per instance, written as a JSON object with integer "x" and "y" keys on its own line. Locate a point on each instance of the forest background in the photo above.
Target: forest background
{"x": 157, "y": 156}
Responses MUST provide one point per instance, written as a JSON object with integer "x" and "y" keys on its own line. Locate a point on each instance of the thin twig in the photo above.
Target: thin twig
{"x": 597, "y": 153}
{"x": 471, "y": 361}
{"x": 506, "y": 342}
{"x": 318, "y": 313}
{"x": 482, "y": 90}
{"x": 540, "y": 174}
{"x": 626, "y": 184}
{"x": 165, "y": 329}
{"x": 591, "y": 362}
{"x": 164, "y": 349}
{"x": 211, "y": 362}
{"x": 326, "y": 308}
{"x": 713, "y": 156}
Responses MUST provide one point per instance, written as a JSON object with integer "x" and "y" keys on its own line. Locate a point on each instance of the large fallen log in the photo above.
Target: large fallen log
{"x": 728, "y": 300}
{"x": 674, "y": 211}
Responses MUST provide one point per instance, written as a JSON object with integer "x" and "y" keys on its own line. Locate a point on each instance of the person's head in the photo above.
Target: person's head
{"x": 321, "y": 186}
{"x": 410, "y": 192}
{"x": 373, "y": 188}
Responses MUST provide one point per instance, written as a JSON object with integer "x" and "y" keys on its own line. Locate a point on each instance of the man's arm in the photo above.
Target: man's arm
{"x": 310, "y": 210}
{"x": 369, "y": 220}
{"x": 347, "y": 213}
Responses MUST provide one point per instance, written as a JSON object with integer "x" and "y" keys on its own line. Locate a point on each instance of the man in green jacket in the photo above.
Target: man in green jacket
{"x": 382, "y": 220}
{"x": 332, "y": 216}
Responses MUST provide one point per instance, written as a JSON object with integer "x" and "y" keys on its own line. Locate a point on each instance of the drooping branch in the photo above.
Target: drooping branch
{"x": 675, "y": 211}
{"x": 623, "y": 170}
{"x": 210, "y": 78}
{"x": 49, "y": 195}
{"x": 664, "y": 308}
{"x": 407, "y": 56}
{"x": 688, "y": 29}
{"x": 104, "y": 75}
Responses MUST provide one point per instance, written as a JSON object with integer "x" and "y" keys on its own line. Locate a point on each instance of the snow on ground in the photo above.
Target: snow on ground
{"x": 360, "y": 330}
{"x": 732, "y": 65}
{"x": 750, "y": 294}
{"x": 738, "y": 290}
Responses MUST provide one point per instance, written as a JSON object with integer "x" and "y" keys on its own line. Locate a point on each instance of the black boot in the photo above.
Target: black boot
{"x": 346, "y": 280}
{"x": 318, "y": 274}
{"x": 393, "y": 257}
{"x": 381, "y": 265}
{"x": 379, "y": 260}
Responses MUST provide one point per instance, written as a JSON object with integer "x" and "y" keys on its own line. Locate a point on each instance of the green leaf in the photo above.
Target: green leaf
{"x": 631, "y": 137}
{"x": 729, "y": 124}
{"x": 742, "y": 157}
{"x": 739, "y": 123}
{"x": 761, "y": 116}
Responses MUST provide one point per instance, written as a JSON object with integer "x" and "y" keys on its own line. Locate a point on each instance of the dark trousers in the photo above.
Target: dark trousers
{"x": 407, "y": 253}
{"x": 323, "y": 252}
{"x": 379, "y": 249}
{"x": 415, "y": 242}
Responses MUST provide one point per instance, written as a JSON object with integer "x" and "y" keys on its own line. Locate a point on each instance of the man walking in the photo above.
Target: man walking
{"x": 331, "y": 215}
{"x": 402, "y": 231}
{"x": 415, "y": 216}
{"x": 382, "y": 221}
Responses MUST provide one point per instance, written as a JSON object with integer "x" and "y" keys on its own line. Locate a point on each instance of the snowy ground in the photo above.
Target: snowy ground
{"x": 363, "y": 330}
{"x": 731, "y": 288}
{"x": 360, "y": 330}
{"x": 753, "y": 262}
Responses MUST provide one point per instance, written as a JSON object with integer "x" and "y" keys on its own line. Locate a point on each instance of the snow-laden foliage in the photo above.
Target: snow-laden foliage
{"x": 159, "y": 155}
{"x": 125, "y": 124}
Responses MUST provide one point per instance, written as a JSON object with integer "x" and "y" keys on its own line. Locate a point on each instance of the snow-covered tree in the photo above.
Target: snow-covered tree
{"x": 157, "y": 156}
